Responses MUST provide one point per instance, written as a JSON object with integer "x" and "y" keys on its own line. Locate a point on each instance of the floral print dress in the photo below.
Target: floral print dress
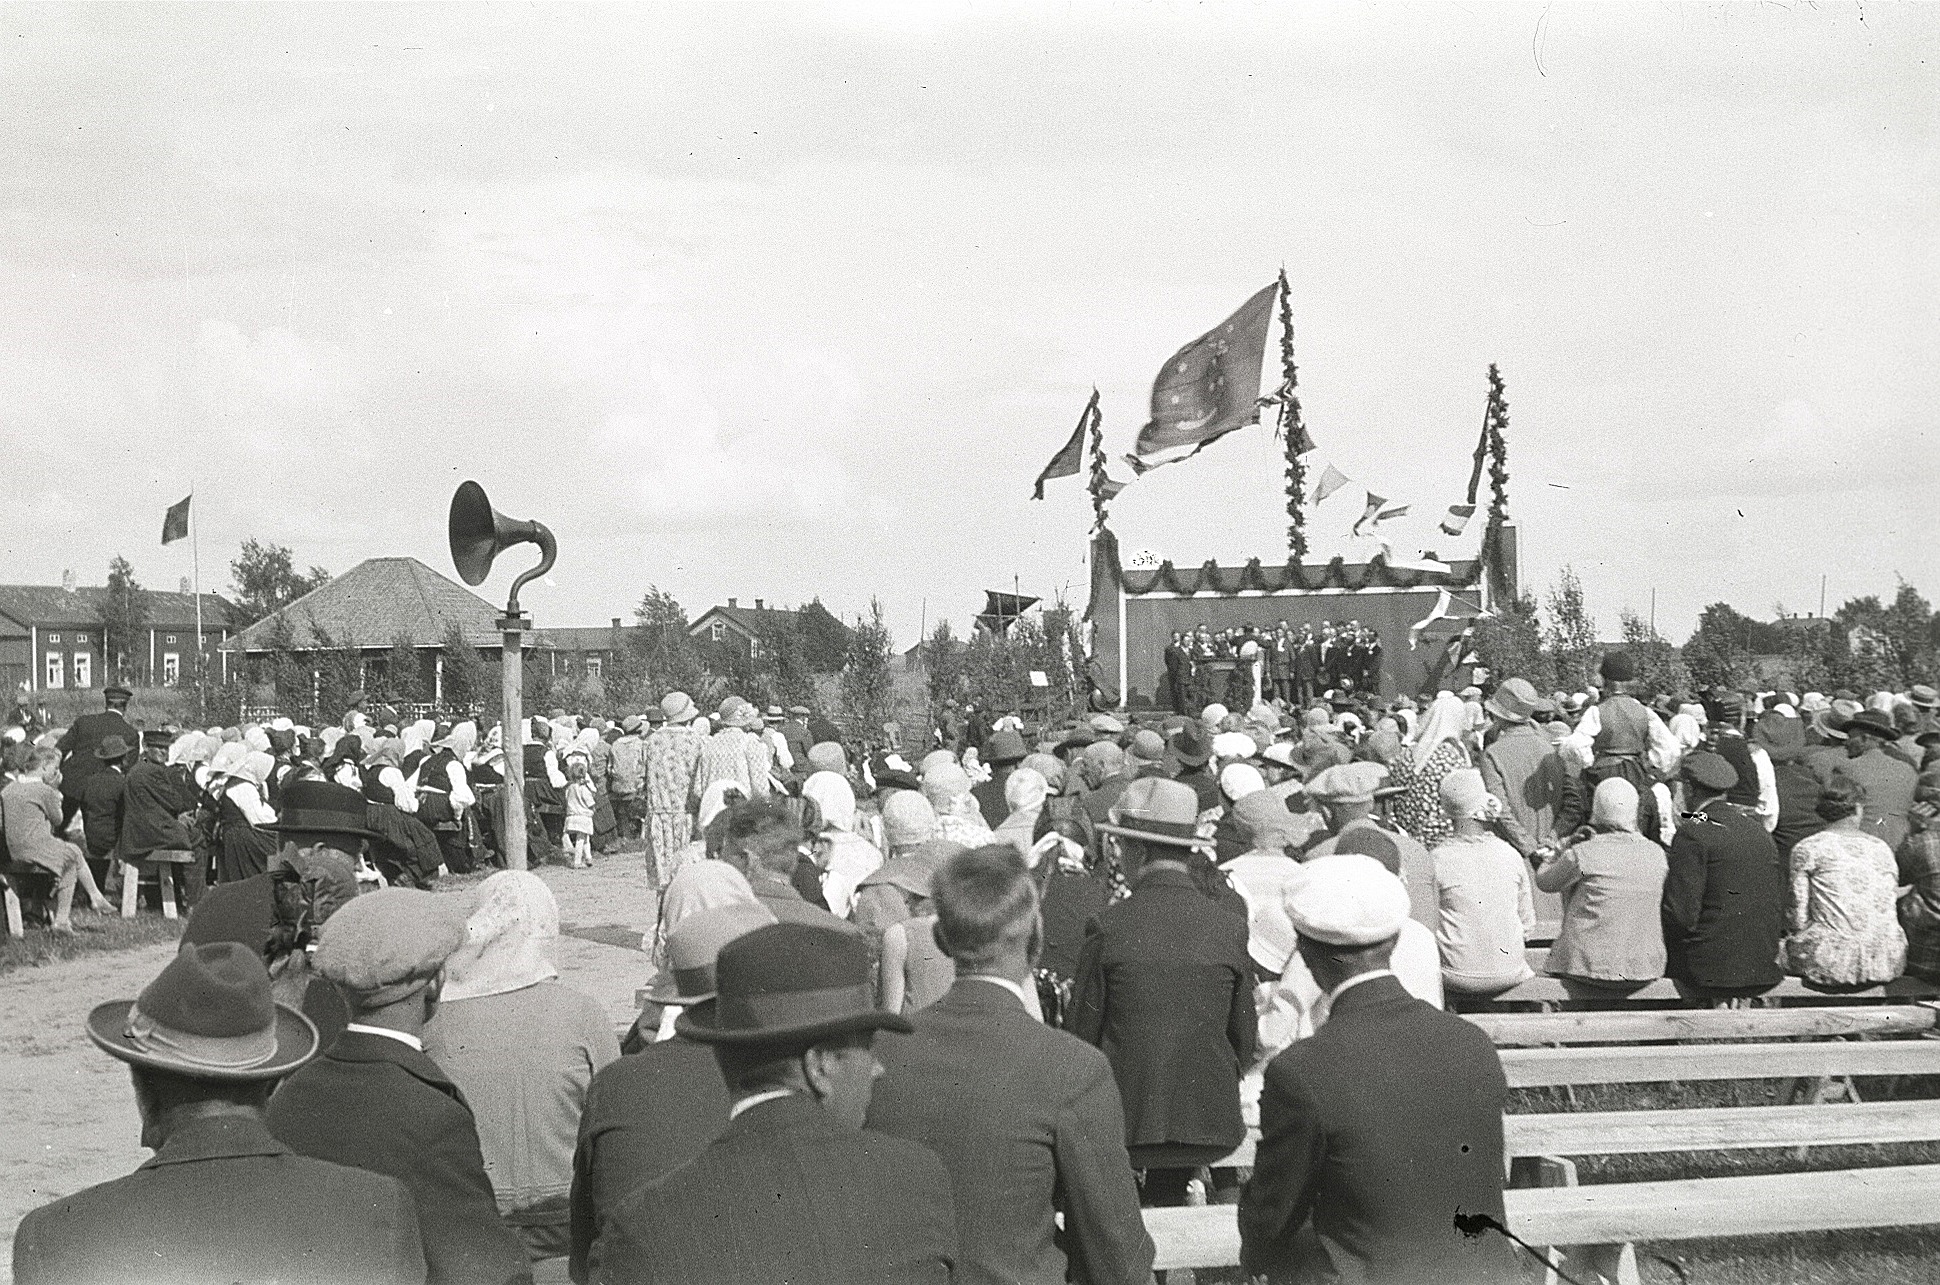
{"x": 1418, "y": 808}
{"x": 1845, "y": 926}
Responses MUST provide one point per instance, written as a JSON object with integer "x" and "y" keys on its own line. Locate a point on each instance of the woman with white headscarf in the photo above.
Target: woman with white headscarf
{"x": 522, "y": 1047}
{"x": 1437, "y": 751}
{"x": 1482, "y": 888}
{"x": 237, "y": 777}
{"x": 1612, "y": 881}
{"x": 846, "y": 858}
{"x": 1025, "y": 791}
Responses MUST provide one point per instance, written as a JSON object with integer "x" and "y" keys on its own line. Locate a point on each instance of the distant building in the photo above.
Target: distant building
{"x": 585, "y": 652}
{"x": 52, "y": 638}
{"x": 751, "y": 630}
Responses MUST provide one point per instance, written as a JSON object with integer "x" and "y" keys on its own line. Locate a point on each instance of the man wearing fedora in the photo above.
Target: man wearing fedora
{"x": 794, "y": 1189}
{"x": 1165, "y": 989}
{"x": 221, "y": 1199}
{"x": 79, "y": 743}
{"x": 1384, "y": 1127}
{"x": 376, "y": 1101}
{"x": 1521, "y": 768}
{"x": 654, "y": 1111}
{"x": 1888, "y": 783}
{"x": 1027, "y": 1119}
{"x": 103, "y": 800}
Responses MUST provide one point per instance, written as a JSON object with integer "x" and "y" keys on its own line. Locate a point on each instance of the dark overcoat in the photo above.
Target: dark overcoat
{"x": 1724, "y": 901}
{"x": 1374, "y": 1133}
{"x": 1028, "y": 1122}
{"x": 176, "y": 1219}
{"x": 789, "y": 1193}
{"x": 376, "y": 1103}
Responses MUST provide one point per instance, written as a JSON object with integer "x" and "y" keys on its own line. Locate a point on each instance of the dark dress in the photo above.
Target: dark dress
{"x": 243, "y": 849}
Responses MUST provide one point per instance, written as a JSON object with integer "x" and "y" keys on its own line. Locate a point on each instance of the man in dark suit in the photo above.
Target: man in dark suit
{"x": 156, "y": 797}
{"x": 1027, "y": 1119}
{"x": 79, "y": 743}
{"x": 220, "y": 1200}
{"x": 794, "y": 1189}
{"x": 377, "y": 1102}
{"x": 1383, "y": 1128}
{"x": 1724, "y": 895}
{"x": 649, "y": 1113}
{"x": 1165, "y": 989}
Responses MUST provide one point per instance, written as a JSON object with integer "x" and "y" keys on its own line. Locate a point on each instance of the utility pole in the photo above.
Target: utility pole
{"x": 1822, "y": 595}
{"x": 1653, "y": 609}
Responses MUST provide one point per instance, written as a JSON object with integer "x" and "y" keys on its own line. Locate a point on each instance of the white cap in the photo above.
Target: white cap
{"x": 1346, "y": 900}
{"x": 1234, "y": 745}
{"x": 1240, "y": 779}
{"x": 1213, "y": 713}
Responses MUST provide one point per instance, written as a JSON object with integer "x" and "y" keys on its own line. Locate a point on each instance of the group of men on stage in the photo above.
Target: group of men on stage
{"x": 1273, "y": 663}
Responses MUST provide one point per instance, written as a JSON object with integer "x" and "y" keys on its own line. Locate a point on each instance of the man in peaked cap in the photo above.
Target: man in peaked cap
{"x": 204, "y": 1044}
{"x": 377, "y": 1102}
{"x": 78, "y": 745}
{"x": 794, "y": 1189}
{"x": 1345, "y": 795}
{"x": 1724, "y": 895}
{"x": 654, "y": 1111}
{"x": 1164, "y": 968}
{"x": 1385, "y": 1125}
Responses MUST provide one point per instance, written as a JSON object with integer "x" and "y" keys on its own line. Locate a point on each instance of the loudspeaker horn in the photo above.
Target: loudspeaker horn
{"x": 479, "y": 533}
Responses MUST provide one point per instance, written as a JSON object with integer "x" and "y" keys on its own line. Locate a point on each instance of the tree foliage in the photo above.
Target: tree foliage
{"x": 1510, "y": 643}
{"x": 467, "y": 685}
{"x": 1569, "y": 633}
{"x": 824, "y": 639}
{"x": 1660, "y": 667}
{"x": 404, "y": 674}
{"x": 1889, "y": 645}
{"x": 265, "y": 580}
{"x": 667, "y": 657}
{"x": 124, "y": 624}
{"x": 943, "y": 668}
{"x": 1719, "y": 651}
{"x": 866, "y": 679}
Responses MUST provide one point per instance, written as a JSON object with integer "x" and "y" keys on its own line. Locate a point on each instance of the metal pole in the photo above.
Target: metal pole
{"x": 1822, "y": 597}
{"x": 511, "y": 697}
{"x": 1653, "y": 609}
{"x": 195, "y": 564}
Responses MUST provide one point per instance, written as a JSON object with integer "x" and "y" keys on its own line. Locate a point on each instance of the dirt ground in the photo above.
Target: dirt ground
{"x": 67, "y": 1114}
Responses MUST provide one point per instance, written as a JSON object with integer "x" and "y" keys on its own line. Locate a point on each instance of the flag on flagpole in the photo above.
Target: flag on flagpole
{"x": 1109, "y": 487}
{"x": 175, "y": 525}
{"x": 1373, "y": 510}
{"x": 1331, "y": 480}
{"x": 1065, "y": 462}
{"x": 1209, "y": 388}
{"x": 1457, "y": 519}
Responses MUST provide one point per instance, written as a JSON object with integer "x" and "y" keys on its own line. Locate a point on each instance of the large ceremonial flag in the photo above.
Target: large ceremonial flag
{"x": 175, "y": 525}
{"x": 1065, "y": 462}
{"x": 1209, "y": 388}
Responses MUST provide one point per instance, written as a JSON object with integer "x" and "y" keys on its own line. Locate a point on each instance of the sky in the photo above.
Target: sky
{"x": 784, "y": 302}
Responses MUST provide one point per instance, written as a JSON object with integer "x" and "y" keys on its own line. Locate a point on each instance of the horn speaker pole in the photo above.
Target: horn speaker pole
{"x": 478, "y": 534}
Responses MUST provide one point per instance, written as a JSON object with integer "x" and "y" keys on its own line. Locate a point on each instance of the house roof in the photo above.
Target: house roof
{"x": 583, "y": 637}
{"x": 755, "y": 621}
{"x": 50, "y": 606}
{"x": 376, "y": 602}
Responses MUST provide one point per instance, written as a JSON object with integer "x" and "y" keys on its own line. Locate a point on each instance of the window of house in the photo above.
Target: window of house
{"x": 717, "y": 631}
{"x": 170, "y": 638}
{"x": 83, "y": 669}
{"x": 171, "y": 668}
{"x": 595, "y": 666}
{"x": 55, "y": 668}
{"x": 53, "y": 638}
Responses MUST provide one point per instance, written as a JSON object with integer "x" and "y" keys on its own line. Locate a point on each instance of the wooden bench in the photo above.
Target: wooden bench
{"x": 1548, "y": 992}
{"x": 23, "y": 886}
{"x": 1602, "y": 1220}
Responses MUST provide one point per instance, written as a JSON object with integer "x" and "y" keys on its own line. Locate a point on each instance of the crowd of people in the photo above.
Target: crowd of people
{"x": 949, "y": 1014}
{"x": 1276, "y": 663}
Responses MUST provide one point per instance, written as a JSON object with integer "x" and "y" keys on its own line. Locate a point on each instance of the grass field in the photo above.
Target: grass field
{"x": 95, "y": 934}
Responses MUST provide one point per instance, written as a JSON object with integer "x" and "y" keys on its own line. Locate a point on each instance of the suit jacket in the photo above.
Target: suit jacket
{"x": 156, "y": 797}
{"x": 1889, "y": 785}
{"x": 646, "y": 1115}
{"x": 103, "y": 800}
{"x": 1374, "y": 1133}
{"x": 789, "y": 1194}
{"x": 376, "y": 1103}
{"x": 785, "y": 902}
{"x": 81, "y": 740}
{"x": 1028, "y": 1122}
{"x": 176, "y": 1219}
{"x": 1724, "y": 901}
{"x": 1165, "y": 988}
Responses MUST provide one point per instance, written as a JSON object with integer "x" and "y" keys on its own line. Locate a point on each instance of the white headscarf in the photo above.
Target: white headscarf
{"x": 1447, "y": 721}
{"x": 509, "y": 939}
{"x": 833, "y": 795}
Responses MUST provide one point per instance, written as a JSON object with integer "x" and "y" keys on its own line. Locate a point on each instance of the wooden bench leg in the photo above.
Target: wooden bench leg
{"x": 16, "y": 926}
{"x": 165, "y": 884}
{"x": 130, "y": 889}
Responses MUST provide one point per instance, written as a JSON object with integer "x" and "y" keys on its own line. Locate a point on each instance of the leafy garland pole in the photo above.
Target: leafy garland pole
{"x": 1292, "y": 431}
{"x": 1102, "y": 487}
{"x": 1494, "y": 422}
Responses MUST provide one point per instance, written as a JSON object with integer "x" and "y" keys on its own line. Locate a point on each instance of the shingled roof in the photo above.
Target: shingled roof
{"x": 46, "y": 605}
{"x": 376, "y": 602}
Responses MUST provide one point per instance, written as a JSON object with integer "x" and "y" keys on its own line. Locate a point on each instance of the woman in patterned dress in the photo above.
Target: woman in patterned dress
{"x": 1845, "y": 931}
{"x": 1418, "y": 773}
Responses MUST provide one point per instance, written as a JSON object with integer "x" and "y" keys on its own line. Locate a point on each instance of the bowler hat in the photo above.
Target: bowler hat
{"x": 1157, "y": 810}
{"x": 790, "y": 984}
{"x": 1618, "y": 667}
{"x": 1192, "y": 746}
{"x": 208, "y": 1016}
{"x": 112, "y": 747}
{"x": 1004, "y": 747}
{"x": 322, "y": 807}
{"x": 693, "y": 946}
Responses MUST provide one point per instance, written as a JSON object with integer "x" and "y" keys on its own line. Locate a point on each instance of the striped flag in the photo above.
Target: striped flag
{"x": 1457, "y": 519}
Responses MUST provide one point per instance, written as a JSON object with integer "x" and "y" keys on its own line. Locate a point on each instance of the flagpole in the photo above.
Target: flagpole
{"x": 195, "y": 571}
{"x": 1293, "y": 431}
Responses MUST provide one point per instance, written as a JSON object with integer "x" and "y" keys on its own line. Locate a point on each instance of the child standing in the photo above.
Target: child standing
{"x": 581, "y": 800}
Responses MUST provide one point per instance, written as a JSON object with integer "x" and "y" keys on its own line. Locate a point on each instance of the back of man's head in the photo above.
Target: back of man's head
{"x": 986, "y": 907}
{"x": 766, "y": 834}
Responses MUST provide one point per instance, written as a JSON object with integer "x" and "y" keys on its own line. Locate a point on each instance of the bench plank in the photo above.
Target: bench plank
{"x": 1686, "y": 1209}
{"x": 1550, "y": 990}
{"x": 1586, "y": 1133}
{"x": 1531, "y": 1068}
{"x": 1641, "y": 1026}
